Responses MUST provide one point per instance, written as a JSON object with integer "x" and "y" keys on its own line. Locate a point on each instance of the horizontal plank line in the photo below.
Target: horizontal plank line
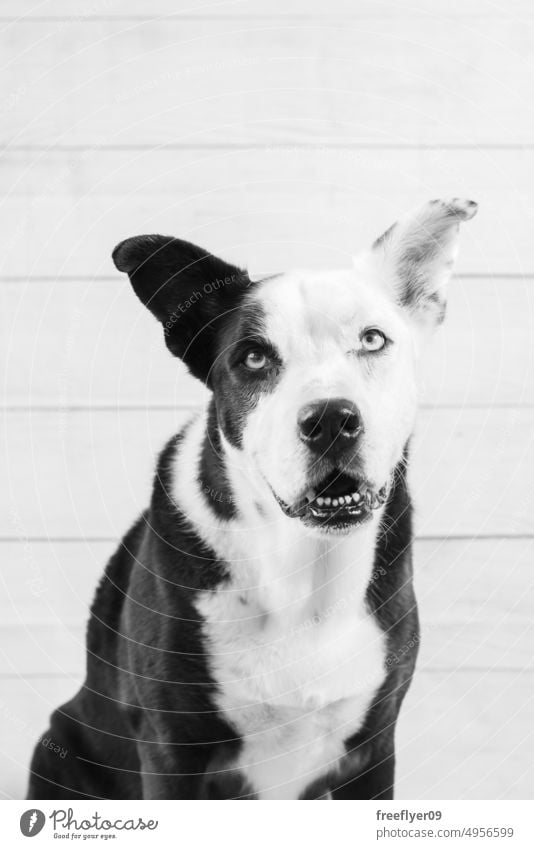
{"x": 9, "y": 539}
{"x": 184, "y": 408}
{"x": 102, "y": 408}
{"x": 32, "y": 676}
{"x": 107, "y": 278}
{"x": 439, "y": 670}
{"x": 279, "y": 146}
{"x": 162, "y": 408}
{"x": 432, "y": 670}
{"x": 243, "y": 16}
{"x": 41, "y": 539}
{"x": 71, "y": 278}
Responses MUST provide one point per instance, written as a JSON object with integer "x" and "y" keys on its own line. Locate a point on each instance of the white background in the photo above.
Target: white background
{"x": 276, "y": 134}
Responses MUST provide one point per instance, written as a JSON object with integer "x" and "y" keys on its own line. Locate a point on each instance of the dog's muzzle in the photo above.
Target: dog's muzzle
{"x": 340, "y": 500}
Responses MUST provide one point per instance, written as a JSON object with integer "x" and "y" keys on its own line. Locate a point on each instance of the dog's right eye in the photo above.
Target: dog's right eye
{"x": 255, "y": 359}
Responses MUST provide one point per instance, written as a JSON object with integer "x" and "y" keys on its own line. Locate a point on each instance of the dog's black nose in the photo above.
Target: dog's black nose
{"x": 329, "y": 427}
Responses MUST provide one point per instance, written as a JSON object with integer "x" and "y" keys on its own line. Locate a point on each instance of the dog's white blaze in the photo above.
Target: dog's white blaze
{"x": 315, "y": 321}
{"x": 295, "y": 654}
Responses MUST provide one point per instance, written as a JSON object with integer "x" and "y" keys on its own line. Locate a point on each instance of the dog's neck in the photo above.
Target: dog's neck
{"x": 266, "y": 553}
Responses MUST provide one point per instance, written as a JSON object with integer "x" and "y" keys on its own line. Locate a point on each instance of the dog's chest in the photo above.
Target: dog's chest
{"x": 295, "y": 678}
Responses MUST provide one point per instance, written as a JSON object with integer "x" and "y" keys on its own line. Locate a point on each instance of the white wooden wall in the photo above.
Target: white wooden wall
{"x": 276, "y": 133}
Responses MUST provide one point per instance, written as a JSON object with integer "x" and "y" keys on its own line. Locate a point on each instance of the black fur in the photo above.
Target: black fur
{"x": 189, "y": 291}
{"x": 212, "y": 477}
{"x": 236, "y": 389}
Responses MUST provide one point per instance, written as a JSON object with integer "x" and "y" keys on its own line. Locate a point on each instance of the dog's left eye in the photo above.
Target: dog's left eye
{"x": 255, "y": 359}
{"x": 373, "y": 339}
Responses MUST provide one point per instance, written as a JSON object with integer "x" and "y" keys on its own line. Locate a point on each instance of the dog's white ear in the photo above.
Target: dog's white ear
{"x": 416, "y": 255}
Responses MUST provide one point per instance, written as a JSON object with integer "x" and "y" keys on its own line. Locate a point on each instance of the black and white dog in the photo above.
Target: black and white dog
{"x": 256, "y": 631}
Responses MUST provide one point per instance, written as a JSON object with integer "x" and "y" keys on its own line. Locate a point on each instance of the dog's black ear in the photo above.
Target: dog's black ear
{"x": 188, "y": 290}
{"x": 416, "y": 255}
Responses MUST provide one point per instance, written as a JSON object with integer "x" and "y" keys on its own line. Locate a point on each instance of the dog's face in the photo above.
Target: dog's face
{"x": 314, "y": 383}
{"x": 313, "y": 373}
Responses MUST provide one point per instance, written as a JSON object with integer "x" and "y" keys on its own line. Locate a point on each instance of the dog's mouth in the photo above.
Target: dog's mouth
{"x": 338, "y": 500}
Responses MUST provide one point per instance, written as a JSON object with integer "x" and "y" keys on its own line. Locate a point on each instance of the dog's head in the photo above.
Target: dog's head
{"x": 313, "y": 373}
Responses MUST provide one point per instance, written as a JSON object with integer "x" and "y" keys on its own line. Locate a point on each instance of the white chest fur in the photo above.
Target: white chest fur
{"x": 296, "y": 665}
{"x": 295, "y": 654}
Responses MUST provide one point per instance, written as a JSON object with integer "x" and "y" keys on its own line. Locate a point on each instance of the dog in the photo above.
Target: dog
{"x": 256, "y": 631}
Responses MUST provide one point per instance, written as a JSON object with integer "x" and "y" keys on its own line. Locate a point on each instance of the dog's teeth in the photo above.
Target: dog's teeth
{"x": 320, "y": 501}
{"x": 355, "y": 496}
{"x": 334, "y": 502}
{"x": 310, "y": 495}
{"x": 327, "y": 501}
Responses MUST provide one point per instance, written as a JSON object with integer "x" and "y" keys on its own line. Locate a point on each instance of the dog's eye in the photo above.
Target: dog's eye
{"x": 373, "y": 340}
{"x": 255, "y": 359}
